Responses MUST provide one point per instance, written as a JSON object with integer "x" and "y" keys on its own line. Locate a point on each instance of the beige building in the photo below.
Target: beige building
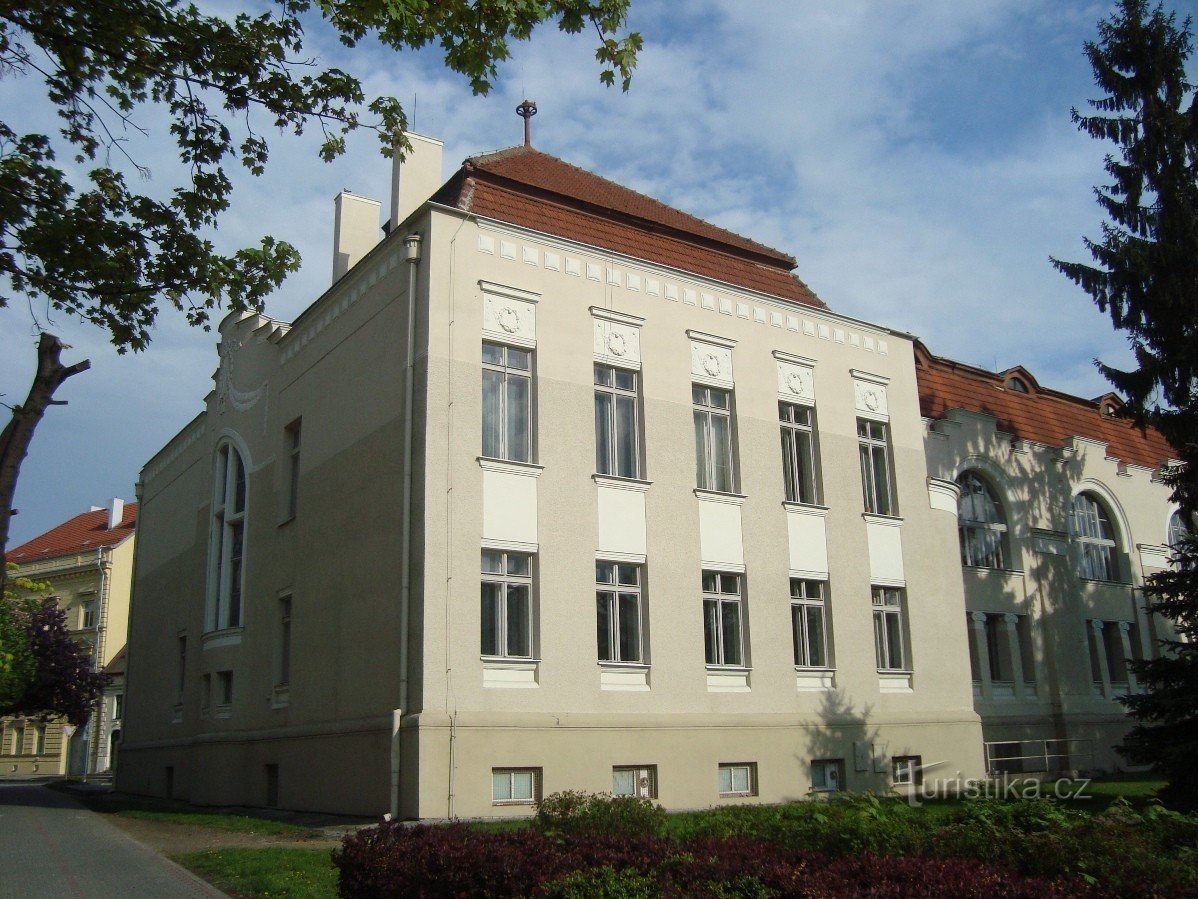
{"x": 556, "y": 487}
{"x": 87, "y": 562}
{"x": 1062, "y": 515}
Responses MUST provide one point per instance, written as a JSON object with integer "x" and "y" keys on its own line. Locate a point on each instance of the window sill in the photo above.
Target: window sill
{"x": 719, "y": 496}
{"x": 632, "y": 677}
{"x": 737, "y": 795}
{"x": 177, "y": 717}
{"x": 895, "y": 682}
{"x": 510, "y": 674}
{"x": 805, "y": 508}
{"x": 815, "y": 680}
{"x": 727, "y": 679}
{"x": 878, "y": 518}
{"x": 527, "y": 469}
{"x": 230, "y": 636}
{"x": 223, "y": 711}
{"x": 281, "y": 697}
{"x": 611, "y": 480}
{"x": 990, "y": 569}
{"x": 505, "y": 802}
{"x": 1100, "y": 582}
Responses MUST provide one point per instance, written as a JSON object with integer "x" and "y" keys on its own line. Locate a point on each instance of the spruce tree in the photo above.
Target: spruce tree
{"x": 1146, "y": 277}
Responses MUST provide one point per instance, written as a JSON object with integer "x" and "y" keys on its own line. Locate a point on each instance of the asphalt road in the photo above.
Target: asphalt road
{"x": 51, "y": 846}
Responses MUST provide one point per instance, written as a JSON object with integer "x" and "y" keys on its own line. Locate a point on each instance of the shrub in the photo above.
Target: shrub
{"x": 603, "y": 883}
{"x": 574, "y": 812}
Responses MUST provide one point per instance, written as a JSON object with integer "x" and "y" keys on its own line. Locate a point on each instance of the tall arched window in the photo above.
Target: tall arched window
{"x": 1095, "y": 537}
{"x": 980, "y": 523}
{"x": 226, "y": 568}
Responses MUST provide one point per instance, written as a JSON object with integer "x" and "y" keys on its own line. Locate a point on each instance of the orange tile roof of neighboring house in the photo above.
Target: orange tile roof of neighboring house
{"x": 535, "y": 190}
{"x": 82, "y": 533}
{"x": 1040, "y": 415}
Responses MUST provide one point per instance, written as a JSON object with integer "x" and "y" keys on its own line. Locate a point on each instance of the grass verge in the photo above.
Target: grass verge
{"x": 271, "y": 871}
{"x": 149, "y": 810}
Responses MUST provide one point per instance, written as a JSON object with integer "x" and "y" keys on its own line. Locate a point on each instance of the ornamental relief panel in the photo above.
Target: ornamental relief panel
{"x": 711, "y": 364}
{"x": 617, "y": 343}
{"x": 870, "y": 398}
{"x": 796, "y": 381}
{"x": 509, "y": 320}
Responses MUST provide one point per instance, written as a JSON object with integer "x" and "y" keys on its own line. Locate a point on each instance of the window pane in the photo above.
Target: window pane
{"x": 711, "y": 631}
{"x": 819, "y": 778}
{"x": 710, "y": 579}
{"x": 520, "y": 359}
{"x": 625, "y": 437}
{"x": 806, "y": 482}
{"x": 725, "y": 780}
{"x": 698, "y": 395}
{"x": 603, "y": 435}
{"x": 501, "y": 785}
{"x": 702, "y": 451}
{"x": 880, "y": 639}
{"x": 789, "y": 465}
{"x": 881, "y": 473}
{"x": 799, "y": 638}
{"x": 718, "y": 399}
{"x": 628, "y": 575}
{"x": 731, "y": 632}
{"x": 721, "y": 449}
{"x": 518, "y": 564}
{"x": 625, "y": 380}
{"x": 490, "y": 619}
{"x": 894, "y": 640}
{"x": 519, "y": 417}
{"x": 492, "y": 562}
{"x": 630, "y": 628}
{"x": 730, "y": 584}
{"x": 867, "y": 478}
{"x": 816, "y": 645}
{"x": 740, "y": 780}
{"x": 238, "y": 537}
{"x": 522, "y": 784}
{"x": 492, "y": 354}
{"x": 239, "y": 481}
{"x": 605, "y": 573}
{"x": 519, "y": 640}
{"x": 603, "y": 375}
{"x": 603, "y": 606}
{"x": 492, "y": 416}
{"x": 623, "y": 782}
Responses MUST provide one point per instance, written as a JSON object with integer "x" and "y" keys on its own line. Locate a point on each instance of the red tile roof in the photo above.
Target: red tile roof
{"x": 534, "y": 190}
{"x": 1041, "y": 415}
{"x": 82, "y": 533}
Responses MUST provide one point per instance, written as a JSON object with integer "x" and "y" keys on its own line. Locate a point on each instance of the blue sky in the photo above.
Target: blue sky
{"x": 917, "y": 158}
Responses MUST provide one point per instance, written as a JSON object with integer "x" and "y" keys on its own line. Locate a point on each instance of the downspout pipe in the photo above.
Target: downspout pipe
{"x": 93, "y": 751}
{"x": 413, "y": 245}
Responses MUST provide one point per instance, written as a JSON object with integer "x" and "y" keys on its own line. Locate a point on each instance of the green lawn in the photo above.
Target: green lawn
{"x": 273, "y": 871}
{"x": 150, "y": 810}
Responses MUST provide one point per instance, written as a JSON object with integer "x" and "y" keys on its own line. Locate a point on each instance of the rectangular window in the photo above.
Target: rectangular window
{"x": 507, "y": 403}
{"x": 87, "y": 614}
{"x": 907, "y": 770}
{"x": 617, "y": 434}
{"x": 293, "y": 467}
{"x": 283, "y": 676}
{"x": 889, "y": 641}
{"x": 799, "y": 455}
{"x": 618, "y": 611}
{"x": 39, "y": 740}
{"x": 224, "y": 688}
{"x": 808, "y": 623}
{"x": 873, "y": 443}
{"x": 515, "y": 786}
{"x": 738, "y": 779}
{"x": 634, "y": 780}
{"x": 722, "y": 619}
{"x": 1108, "y": 643}
{"x": 713, "y": 438}
{"x": 998, "y": 647}
{"x": 118, "y": 706}
{"x": 18, "y": 740}
{"x": 506, "y": 604}
{"x": 181, "y": 671}
{"x": 206, "y": 692}
{"x": 827, "y": 775}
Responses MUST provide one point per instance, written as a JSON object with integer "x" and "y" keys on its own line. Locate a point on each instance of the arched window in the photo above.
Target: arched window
{"x": 1016, "y": 384}
{"x": 226, "y": 568}
{"x": 1095, "y": 538}
{"x": 980, "y": 523}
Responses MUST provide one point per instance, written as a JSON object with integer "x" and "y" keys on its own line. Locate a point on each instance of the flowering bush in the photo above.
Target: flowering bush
{"x": 575, "y": 812}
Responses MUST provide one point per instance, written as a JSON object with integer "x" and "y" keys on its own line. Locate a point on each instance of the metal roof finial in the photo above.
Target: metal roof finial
{"x": 526, "y": 110}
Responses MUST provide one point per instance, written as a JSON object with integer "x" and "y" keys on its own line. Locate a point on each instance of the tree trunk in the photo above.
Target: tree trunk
{"x": 14, "y": 440}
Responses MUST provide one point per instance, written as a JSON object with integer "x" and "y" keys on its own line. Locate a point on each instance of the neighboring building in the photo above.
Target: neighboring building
{"x": 1062, "y": 515}
{"x": 671, "y": 525}
{"x": 88, "y": 563}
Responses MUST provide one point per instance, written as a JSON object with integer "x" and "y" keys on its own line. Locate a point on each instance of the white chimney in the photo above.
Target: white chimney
{"x": 355, "y": 231}
{"x": 116, "y": 513}
{"x": 419, "y": 176}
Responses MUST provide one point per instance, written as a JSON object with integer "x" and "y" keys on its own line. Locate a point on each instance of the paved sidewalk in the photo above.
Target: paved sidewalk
{"x": 51, "y": 846}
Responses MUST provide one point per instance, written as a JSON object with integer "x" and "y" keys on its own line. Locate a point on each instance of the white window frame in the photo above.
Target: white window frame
{"x": 87, "y": 614}
{"x": 715, "y": 648}
{"x": 889, "y": 616}
{"x": 644, "y": 781}
{"x": 227, "y": 562}
{"x": 1096, "y": 539}
{"x": 820, "y": 781}
{"x": 797, "y": 459}
{"x": 613, "y": 393}
{"x": 983, "y": 537}
{"x": 869, "y": 446}
{"x": 736, "y": 779}
{"x": 506, "y": 580}
{"x": 609, "y": 593}
{"x": 515, "y": 776}
{"x": 706, "y": 412}
{"x": 906, "y": 770}
{"x": 807, "y": 594}
{"x": 507, "y": 374}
